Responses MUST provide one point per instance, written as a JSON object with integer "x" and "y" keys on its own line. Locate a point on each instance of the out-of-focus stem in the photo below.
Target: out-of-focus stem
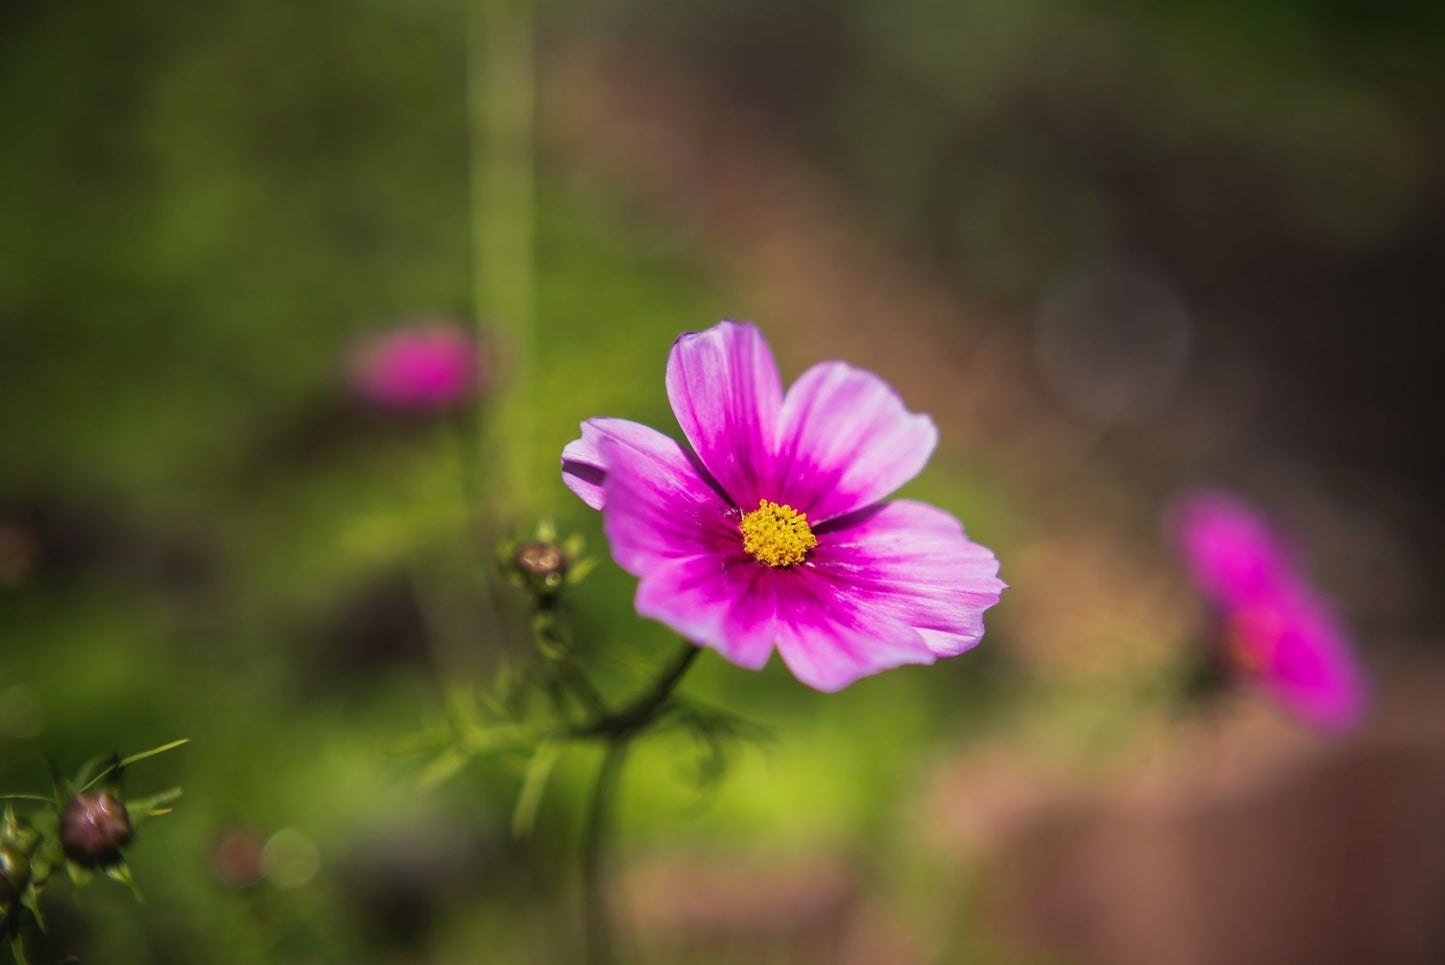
{"x": 618, "y": 729}
{"x": 644, "y": 709}
{"x": 557, "y": 649}
{"x": 501, "y": 87}
{"x": 596, "y": 916}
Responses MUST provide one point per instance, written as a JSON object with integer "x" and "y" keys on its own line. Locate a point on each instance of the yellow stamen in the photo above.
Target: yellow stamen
{"x": 777, "y": 535}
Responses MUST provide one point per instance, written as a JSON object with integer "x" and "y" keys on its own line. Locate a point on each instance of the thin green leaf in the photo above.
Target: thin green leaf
{"x": 154, "y": 751}
{"x": 153, "y": 806}
{"x": 462, "y": 705}
{"x": 442, "y": 769}
{"x": 31, "y": 900}
{"x": 87, "y": 770}
{"x": 62, "y": 787}
{"x": 534, "y": 784}
{"x": 128, "y": 761}
{"x": 425, "y": 742}
{"x": 121, "y": 873}
{"x": 581, "y": 569}
{"x": 490, "y": 740}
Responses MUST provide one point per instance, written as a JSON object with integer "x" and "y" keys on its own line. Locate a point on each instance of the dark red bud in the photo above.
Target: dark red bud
{"x": 94, "y": 829}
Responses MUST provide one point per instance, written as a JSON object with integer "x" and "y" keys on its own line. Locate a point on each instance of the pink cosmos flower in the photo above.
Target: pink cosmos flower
{"x": 1278, "y": 632}
{"x": 769, "y": 531}
{"x": 426, "y": 366}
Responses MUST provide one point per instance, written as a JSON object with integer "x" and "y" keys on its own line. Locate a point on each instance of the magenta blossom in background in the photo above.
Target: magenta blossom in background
{"x": 769, "y": 530}
{"x": 427, "y": 366}
{"x": 1278, "y": 631}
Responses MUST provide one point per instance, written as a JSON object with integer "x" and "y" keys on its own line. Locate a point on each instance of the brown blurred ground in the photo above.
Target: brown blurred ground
{"x": 1249, "y": 843}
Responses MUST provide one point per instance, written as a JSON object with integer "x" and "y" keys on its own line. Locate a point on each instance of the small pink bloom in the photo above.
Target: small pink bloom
{"x": 769, "y": 531}
{"x": 1279, "y": 632}
{"x": 426, "y": 366}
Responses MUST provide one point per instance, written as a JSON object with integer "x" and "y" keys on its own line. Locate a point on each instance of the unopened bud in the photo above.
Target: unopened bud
{"x": 94, "y": 829}
{"x": 18, "y": 842}
{"x": 14, "y": 872}
{"x": 542, "y": 562}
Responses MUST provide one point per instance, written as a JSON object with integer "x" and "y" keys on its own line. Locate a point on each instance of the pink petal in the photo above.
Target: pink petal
{"x": 1313, "y": 670}
{"x": 584, "y": 463}
{"x": 726, "y": 394}
{"x": 1230, "y": 548}
{"x": 661, "y": 508}
{"x": 829, "y": 641}
{"x": 846, "y": 442}
{"x": 728, "y": 604}
{"x": 894, "y": 584}
{"x": 912, "y": 562}
{"x": 668, "y": 525}
{"x": 1283, "y": 633}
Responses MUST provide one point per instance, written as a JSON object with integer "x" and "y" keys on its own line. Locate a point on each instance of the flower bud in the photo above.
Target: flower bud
{"x": 542, "y": 562}
{"x": 94, "y": 829}
{"x": 18, "y": 842}
{"x": 14, "y": 872}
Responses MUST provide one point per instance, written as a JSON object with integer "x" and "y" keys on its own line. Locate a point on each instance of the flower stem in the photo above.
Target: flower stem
{"x": 618, "y": 729}
{"x": 644, "y": 709}
{"x": 501, "y": 88}
{"x": 596, "y": 920}
{"x": 552, "y": 642}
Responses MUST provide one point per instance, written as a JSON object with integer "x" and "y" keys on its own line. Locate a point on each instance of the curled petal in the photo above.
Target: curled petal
{"x": 726, "y": 394}
{"x": 584, "y": 463}
{"x": 847, "y": 441}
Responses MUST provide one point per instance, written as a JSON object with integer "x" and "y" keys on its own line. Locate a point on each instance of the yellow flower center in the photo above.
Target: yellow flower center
{"x": 777, "y": 535}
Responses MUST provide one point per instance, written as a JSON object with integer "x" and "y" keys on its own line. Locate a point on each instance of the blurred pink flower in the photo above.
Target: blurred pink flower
{"x": 770, "y": 530}
{"x": 426, "y": 366}
{"x": 1278, "y": 632}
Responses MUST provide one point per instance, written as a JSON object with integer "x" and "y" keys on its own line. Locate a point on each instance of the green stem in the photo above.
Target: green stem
{"x": 596, "y": 918}
{"x": 618, "y": 730}
{"x": 643, "y": 710}
{"x": 551, "y": 640}
{"x": 501, "y": 88}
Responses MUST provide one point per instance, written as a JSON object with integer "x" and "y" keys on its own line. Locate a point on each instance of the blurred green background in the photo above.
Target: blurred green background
{"x": 203, "y": 207}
